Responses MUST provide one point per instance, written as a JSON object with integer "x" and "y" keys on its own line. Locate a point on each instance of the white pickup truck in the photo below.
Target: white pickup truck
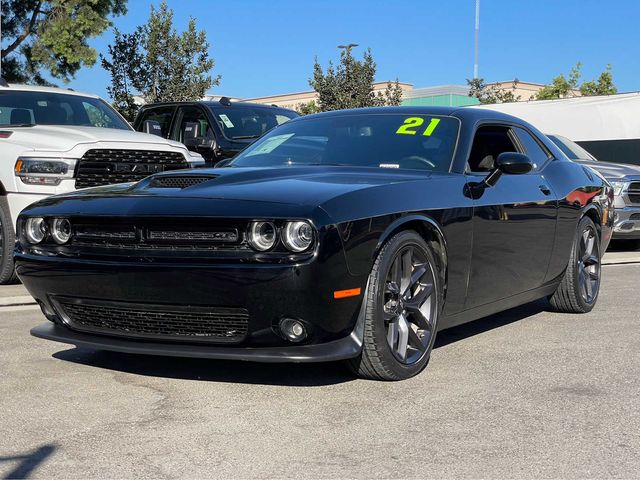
{"x": 55, "y": 141}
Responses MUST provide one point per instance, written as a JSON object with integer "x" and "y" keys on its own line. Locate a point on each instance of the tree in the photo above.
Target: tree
{"x": 307, "y": 108}
{"x": 158, "y": 63}
{"x": 562, "y": 87}
{"x": 128, "y": 70}
{"x": 51, "y": 36}
{"x": 177, "y": 65}
{"x": 603, "y": 86}
{"x": 488, "y": 94}
{"x": 350, "y": 84}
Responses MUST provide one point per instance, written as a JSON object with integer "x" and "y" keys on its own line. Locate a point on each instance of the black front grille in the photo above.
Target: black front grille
{"x": 179, "y": 181}
{"x": 160, "y": 322}
{"x": 634, "y": 192}
{"x": 106, "y": 166}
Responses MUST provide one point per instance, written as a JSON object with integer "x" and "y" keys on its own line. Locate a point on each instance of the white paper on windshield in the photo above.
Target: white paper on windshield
{"x": 228, "y": 123}
{"x": 270, "y": 144}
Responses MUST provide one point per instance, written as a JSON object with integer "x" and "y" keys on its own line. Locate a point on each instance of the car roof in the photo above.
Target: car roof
{"x": 463, "y": 113}
{"x": 13, "y": 87}
{"x": 216, "y": 103}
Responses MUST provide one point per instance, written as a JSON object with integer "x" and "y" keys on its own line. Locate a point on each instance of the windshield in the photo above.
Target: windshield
{"x": 26, "y": 108}
{"x": 571, "y": 149}
{"x": 424, "y": 142}
{"x": 242, "y": 122}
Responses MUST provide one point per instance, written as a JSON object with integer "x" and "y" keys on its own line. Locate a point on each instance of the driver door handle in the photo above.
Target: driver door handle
{"x": 544, "y": 189}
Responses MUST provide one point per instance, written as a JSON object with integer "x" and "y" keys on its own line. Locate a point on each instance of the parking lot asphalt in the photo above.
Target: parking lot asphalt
{"x": 522, "y": 394}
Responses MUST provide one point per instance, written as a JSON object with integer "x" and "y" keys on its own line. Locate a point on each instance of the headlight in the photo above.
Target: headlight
{"x": 61, "y": 230}
{"x": 298, "y": 236}
{"x": 262, "y": 235}
{"x": 44, "y": 171}
{"x": 35, "y": 229}
{"x": 617, "y": 187}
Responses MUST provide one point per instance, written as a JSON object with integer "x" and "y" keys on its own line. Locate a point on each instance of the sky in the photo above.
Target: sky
{"x": 264, "y": 47}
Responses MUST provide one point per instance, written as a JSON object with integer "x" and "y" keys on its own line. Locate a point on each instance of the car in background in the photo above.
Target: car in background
{"x": 216, "y": 129}
{"x": 55, "y": 140}
{"x": 624, "y": 178}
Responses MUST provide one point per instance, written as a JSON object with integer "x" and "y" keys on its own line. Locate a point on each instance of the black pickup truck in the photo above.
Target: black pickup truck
{"x": 216, "y": 129}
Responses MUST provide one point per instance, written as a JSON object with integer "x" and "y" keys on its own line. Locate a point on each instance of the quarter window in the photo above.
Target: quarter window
{"x": 532, "y": 148}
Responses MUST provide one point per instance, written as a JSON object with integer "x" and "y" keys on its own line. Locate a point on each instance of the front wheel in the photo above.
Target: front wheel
{"x": 578, "y": 291}
{"x": 401, "y": 312}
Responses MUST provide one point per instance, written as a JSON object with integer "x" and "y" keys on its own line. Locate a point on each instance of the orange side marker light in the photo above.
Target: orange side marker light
{"x": 352, "y": 292}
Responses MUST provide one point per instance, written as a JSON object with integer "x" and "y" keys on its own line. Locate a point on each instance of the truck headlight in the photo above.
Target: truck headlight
{"x": 618, "y": 187}
{"x": 44, "y": 171}
{"x": 298, "y": 236}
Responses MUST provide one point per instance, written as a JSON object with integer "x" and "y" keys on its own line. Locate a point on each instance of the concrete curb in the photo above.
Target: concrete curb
{"x": 17, "y": 301}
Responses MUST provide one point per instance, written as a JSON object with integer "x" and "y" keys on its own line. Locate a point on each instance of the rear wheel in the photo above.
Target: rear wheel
{"x": 578, "y": 291}
{"x": 7, "y": 242}
{"x": 402, "y": 309}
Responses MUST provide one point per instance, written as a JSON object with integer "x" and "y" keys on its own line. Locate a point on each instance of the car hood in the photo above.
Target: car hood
{"x": 289, "y": 185}
{"x": 613, "y": 171}
{"x": 64, "y": 138}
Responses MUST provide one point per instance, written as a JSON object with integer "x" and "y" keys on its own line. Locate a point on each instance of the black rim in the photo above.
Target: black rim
{"x": 589, "y": 264}
{"x": 410, "y": 305}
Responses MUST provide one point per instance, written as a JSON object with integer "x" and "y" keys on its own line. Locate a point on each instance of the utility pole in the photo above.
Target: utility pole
{"x": 475, "y": 63}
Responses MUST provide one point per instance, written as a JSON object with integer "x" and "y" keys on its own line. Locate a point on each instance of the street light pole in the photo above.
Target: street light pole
{"x": 348, "y": 47}
{"x": 475, "y": 64}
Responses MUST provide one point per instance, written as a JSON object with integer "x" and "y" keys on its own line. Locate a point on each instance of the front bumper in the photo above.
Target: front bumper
{"x": 268, "y": 292}
{"x": 342, "y": 349}
{"x": 627, "y": 223}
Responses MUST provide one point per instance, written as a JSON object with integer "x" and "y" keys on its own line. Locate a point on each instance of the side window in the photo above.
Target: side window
{"x": 532, "y": 148}
{"x": 187, "y": 116}
{"x": 489, "y": 142}
{"x": 162, "y": 115}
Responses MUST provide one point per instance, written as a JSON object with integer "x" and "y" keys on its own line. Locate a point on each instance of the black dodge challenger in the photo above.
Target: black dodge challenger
{"x": 351, "y": 235}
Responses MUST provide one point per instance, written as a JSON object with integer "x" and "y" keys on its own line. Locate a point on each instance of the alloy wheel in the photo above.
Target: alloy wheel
{"x": 410, "y": 305}
{"x": 589, "y": 264}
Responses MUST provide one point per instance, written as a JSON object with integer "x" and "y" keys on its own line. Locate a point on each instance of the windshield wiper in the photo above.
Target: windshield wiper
{"x": 15, "y": 125}
{"x": 244, "y": 137}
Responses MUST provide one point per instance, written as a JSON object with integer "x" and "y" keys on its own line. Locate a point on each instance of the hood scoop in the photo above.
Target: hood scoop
{"x": 179, "y": 181}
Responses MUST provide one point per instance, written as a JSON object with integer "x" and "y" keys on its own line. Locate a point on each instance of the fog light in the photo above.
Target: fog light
{"x": 293, "y": 330}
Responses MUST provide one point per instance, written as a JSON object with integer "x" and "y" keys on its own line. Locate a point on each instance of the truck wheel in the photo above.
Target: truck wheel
{"x": 578, "y": 291}
{"x": 402, "y": 308}
{"x": 7, "y": 242}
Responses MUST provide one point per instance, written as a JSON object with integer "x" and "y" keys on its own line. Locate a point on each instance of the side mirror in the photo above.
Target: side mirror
{"x": 514, "y": 163}
{"x": 511, "y": 163}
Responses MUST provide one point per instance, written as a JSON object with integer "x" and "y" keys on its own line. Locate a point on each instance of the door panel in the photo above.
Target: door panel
{"x": 514, "y": 226}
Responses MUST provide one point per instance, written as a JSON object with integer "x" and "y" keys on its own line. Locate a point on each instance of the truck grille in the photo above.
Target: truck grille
{"x": 160, "y": 322}
{"x": 106, "y": 166}
{"x": 634, "y": 192}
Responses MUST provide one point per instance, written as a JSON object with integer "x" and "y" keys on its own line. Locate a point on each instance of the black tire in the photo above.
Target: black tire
{"x": 7, "y": 243}
{"x": 419, "y": 307}
{"x": 580, "y": 286}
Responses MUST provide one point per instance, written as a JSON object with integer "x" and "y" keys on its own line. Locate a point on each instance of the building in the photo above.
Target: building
{"x": 294, "y": 100}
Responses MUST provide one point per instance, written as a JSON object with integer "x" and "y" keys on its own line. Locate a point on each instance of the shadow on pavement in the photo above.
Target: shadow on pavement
{"x": 29, "y": 462}
{"x": 285, "y": 374}
{"x": 485, "y": 324}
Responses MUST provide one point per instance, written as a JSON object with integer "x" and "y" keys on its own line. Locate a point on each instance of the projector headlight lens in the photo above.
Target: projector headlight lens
{"x": 61, "y": 230}
{"x": 262, "y": 235}
{"x": 298, "y": 236}
{"x": 35, "y": 229}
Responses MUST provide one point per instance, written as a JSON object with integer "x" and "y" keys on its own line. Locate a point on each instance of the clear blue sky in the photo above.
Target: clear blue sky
{"x": 264, "y": 47}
